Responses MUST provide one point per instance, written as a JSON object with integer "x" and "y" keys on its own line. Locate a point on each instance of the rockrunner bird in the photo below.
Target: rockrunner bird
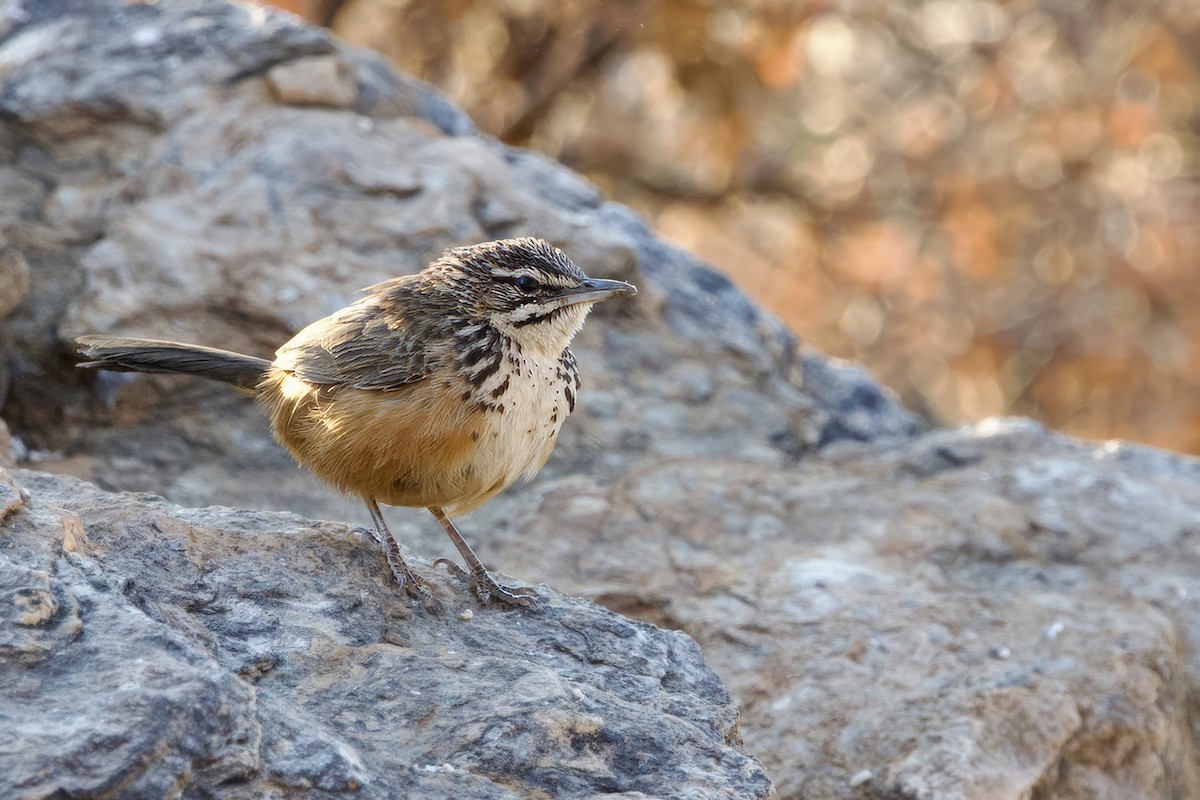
{"x": 438, "y": 389}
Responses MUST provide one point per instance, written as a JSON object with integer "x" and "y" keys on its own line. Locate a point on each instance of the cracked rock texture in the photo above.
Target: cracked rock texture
{"x": 990, "y": 612}
{"x": 155, "y": 651}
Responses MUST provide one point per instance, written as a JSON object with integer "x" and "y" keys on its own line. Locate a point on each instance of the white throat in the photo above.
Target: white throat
{"x": 549, "y": 338}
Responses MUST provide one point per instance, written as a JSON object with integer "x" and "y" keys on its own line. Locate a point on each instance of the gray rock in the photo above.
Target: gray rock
{"x": 14, "y": 278}
{"x": 155, "y": 651}
{"x": 316, "y": 81}
{"x": 991, "y": 612}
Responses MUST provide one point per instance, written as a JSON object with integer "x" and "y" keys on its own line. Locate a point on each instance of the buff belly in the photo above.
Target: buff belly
{"x": 416, "y": 446}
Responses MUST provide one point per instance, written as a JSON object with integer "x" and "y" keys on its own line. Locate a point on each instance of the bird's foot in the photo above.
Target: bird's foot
{"x": 487, "y": 588}
{"x": 419, "y": 590}
{"x": 412, "y": 585}
{"x": 370, "y": 533}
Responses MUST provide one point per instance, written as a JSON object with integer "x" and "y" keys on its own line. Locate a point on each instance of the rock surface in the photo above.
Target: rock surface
{"x": 155, "y": 651}
{"x": 993, "y": 612}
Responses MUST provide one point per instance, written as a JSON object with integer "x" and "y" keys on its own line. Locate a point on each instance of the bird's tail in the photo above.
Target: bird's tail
{"x": 150, "y": 355}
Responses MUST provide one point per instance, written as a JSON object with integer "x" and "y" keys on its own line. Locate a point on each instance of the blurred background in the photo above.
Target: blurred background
{"x": 993, "y": 205}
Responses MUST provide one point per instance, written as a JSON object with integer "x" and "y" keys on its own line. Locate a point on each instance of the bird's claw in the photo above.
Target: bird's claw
{"x": 375, "y": 535}
{"x": 417, "y": 589}
{"x": 487, "y": 588}
{"x": 412, "y": 585}
{"x": 454, "y": 569}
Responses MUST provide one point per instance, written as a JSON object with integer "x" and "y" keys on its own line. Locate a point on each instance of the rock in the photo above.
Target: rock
{"x": 14, "y": 284}
{"x": 991, "y": 612}
{"x": 14, "y": 278}
{"x": 317, "y": 81}
{"x": 159, "y": 651}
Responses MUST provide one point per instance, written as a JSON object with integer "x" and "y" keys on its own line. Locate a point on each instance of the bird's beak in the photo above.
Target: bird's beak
{"x": 595, "y": 289}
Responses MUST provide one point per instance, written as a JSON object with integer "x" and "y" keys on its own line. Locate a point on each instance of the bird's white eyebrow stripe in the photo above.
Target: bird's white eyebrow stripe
{"x": 499, "y": 273}
{"x": 510, "y": 273}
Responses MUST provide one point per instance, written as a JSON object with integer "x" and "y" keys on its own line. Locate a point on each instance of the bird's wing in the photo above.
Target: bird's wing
{"x": 360, "y": 346}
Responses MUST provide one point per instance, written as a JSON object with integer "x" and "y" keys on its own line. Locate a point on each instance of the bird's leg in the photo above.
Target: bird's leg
{"x": 404, "y": 576}
{"x": 479, "y": 579}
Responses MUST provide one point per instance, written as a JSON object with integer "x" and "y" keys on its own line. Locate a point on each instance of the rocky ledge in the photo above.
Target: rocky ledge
{"x": 154, "y": 651}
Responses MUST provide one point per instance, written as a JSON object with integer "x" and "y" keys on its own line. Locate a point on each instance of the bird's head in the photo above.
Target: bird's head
{"x": 527, "y": 289}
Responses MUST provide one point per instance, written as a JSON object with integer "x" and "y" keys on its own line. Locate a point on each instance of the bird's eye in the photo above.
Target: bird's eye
{"x": 527, "y": 284}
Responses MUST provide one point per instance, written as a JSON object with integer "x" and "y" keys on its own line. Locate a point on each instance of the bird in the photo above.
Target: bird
{"x": 437, "y": 389}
